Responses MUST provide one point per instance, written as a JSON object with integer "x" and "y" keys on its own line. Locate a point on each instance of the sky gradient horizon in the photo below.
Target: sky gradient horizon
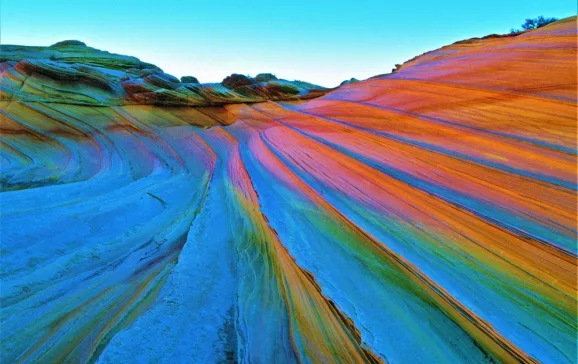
{"x": 324, "y": 42}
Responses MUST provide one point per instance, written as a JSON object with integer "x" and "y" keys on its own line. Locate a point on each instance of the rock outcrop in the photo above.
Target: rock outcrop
{"x": 265, "y": 77}
{"x": 428, "y": 215}
{"x": 73, "y": 73}
{"x": 189, "y": 79}
{"x": 347, "y": 82}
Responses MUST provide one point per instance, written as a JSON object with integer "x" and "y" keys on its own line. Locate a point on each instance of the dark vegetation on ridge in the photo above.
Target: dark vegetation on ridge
{"x": 535, "y": 23}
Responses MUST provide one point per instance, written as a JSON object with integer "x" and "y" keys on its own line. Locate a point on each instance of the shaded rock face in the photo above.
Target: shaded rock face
{"x": 189, "y": 79}
{"x": 347, "y": 82}
{"x": 265, "y": 77}
{"x": 235, "y": 80}
{"x": 71, "y": 72}
{"x": 282, "y": 89}
{"x": 423, "y": 216}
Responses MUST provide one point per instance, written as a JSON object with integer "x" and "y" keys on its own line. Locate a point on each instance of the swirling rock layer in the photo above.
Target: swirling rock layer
{"x": 425, "y": 216}
{"x": 71, "y": 72}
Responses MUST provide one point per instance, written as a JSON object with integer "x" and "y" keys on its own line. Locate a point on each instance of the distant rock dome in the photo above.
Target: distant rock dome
{"x": 265, "y": 77}
{"x": 347, "y": 82}
{"x": 68, "y": 43}
{"x": 189, "y": 79}
{"x": 236, "y": 80}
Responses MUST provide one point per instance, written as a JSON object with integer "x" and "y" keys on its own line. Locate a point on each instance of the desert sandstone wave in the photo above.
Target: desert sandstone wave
{"x": 428, "y": 215}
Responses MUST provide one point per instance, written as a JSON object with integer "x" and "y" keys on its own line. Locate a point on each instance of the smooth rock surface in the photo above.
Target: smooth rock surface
{"x": 427, "y": 216}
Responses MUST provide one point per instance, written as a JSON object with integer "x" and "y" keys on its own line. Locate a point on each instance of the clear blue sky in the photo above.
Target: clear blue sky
{"x": 319, "y": 41}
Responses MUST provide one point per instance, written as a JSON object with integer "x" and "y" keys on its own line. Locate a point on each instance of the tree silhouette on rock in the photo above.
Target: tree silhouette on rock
{"x": 535, "y": 23}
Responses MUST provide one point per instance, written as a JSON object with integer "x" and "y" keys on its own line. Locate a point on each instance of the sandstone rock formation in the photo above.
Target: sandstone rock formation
{"x": 347, "y": 82}
{"x": 73, "y": 73}
{"x": 189, "y": 79}
{"x": 265, "y": 77}
{"x": 424, "y": 216}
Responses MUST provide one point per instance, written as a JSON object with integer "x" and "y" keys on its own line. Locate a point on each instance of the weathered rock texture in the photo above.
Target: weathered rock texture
{"x": 425, "y": 216}
{"x": 71, "y": 72}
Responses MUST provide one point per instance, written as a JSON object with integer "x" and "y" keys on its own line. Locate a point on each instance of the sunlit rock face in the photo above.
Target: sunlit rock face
{"x": 423, "y": 216}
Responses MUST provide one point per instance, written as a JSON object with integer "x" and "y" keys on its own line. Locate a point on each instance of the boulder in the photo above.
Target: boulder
{"x": 236, "y": 80}
{"x": 265, "y": 77}
{"x": 189, "y": 79}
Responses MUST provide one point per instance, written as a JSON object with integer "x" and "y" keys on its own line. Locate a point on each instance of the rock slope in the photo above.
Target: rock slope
{"x": 424, "y": 216}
